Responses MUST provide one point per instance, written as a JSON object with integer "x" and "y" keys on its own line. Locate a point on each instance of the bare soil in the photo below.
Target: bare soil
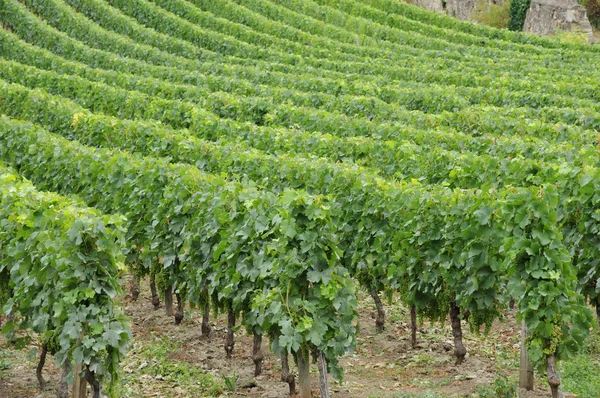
{"x": 383, "y": 365}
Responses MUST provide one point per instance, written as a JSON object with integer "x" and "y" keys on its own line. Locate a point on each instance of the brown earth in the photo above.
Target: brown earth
{"x": 383, "y": 365}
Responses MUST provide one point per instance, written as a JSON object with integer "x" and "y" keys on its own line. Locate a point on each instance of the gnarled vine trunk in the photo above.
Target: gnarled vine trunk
{"x": 553, "y": 377}
{"x": 155, "y": 298}
{"x": 257, "y": 355}
{"x": 63, "y": 387}
{"x": 179, "y": 313}
{"x": 40, "y": 366}
{"x": 135, "y": 288}
{"x": 459, "y": 349}
{"x": 205, "y": 318}
{"x": 94, "y": 382}
{"x": 286, "y": 376}
{"x": 380, "y": 321}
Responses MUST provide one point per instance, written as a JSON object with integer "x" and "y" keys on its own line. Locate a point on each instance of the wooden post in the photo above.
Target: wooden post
{"x": 413, "y": 325}
{"x": 63, "y": 387}
{"x": 323, "y": 382}
{"x": 79, "y": 383}
{"x": 169, "y": 301}
{"x": 525, "y": 368}
{"x": 230, "y": 342}
{"x": 304, "y": 373}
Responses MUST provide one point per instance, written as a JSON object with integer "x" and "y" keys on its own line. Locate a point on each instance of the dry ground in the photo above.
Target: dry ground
{"x": 176, "y": 361}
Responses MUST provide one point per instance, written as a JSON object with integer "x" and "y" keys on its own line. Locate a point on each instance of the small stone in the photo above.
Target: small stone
{"x": 248, "y": 383}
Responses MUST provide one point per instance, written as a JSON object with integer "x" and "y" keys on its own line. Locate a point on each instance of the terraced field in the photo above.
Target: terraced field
{"x": 272, "y": 159}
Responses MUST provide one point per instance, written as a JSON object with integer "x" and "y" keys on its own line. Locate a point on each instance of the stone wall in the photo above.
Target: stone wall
{"x": 547, "y": 17}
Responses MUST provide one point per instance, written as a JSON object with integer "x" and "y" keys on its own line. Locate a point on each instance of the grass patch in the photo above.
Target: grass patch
{"x": 502, "y": 388}
{"x": 581, "y": 375}
{"x": 152, "y": 364}
{"x": 5, "y": 363}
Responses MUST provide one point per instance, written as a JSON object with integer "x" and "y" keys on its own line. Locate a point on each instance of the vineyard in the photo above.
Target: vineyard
{"x": 272, "y": 161}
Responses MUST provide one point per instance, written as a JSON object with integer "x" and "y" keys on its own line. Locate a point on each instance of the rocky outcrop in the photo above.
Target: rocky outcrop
{"x": 431, "y": 5}
{"x": 544, "y": 17}
{"x": 461, "y": 9}
{"x": 548, "y": 17}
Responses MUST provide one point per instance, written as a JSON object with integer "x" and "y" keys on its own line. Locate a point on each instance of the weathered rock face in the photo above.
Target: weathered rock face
{"x": 547, "y": 17}
{"x": 544, "y": 17}
{"x": 431, "y": 5}
{"x": 461, "y": 9}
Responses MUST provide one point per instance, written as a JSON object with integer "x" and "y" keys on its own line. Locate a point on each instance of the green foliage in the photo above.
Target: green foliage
{"x": 231, "y": 382}
{"x": 574, "y": 36}
{"x": 234, "y": 220}
{"x": 501, "y": 388}
{"x": 580, "y": 375}
{"x": 485, "y": 309}
{"x": 5, "y": 290}
{"x": 494, "y": 15}
{"x": 5, "y": 362}
{"x": 62, "y": 259}
{"x": 518, "y": 12}
{"x": 443, "y": 160}
{"x": 425, "y": 394}
{"x": 155, "y": 358}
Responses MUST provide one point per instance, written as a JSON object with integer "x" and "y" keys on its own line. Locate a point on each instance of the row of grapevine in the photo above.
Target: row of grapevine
{"x": 55, "y": 14}
{"x": 576, "y": 91}
{"x": 58, "y": 277}
{"x": 383, "y": 65}
{"x": 354, "y": 16}
{"x": 439, "y": 185}
{"x": 401, "y": 160}
{"x": 453, "y": 25}
{"x": 344, "y": 125}
{"x": 558, "y": 111}
{"x": 253, "y": 248}
{"x": 480, "y": 309}
{"x": 340, "y": 125}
